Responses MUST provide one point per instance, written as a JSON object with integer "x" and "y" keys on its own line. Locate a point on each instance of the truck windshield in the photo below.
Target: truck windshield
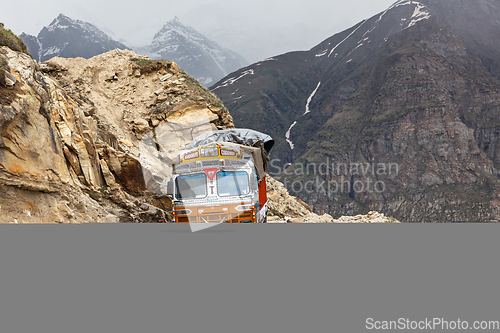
{"x": 191, "y": 186}
{"x": 232, "y": 183}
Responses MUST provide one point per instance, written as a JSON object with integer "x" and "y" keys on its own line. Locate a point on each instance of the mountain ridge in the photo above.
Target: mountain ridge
{"x": 348, "y": 97}
{"x": 203, "y": 58}
{"x": 69, "y": 38}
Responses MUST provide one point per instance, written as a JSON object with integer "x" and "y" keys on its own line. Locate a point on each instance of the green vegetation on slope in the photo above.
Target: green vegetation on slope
{"x": 9, "y": 39}
{"x": 3, "y": 68}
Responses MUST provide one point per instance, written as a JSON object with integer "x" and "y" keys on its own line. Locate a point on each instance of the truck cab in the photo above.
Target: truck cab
{"x": 219, "y": 182}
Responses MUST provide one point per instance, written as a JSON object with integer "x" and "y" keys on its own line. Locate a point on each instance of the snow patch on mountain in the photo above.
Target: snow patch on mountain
{"x": 287, "y": 135}
{"x": 397, "y": 4}
{"x": 419, "y": 14}
{"x": 368, "y": 31}
{"x": 309, "y": 99}
{"x": 346, "y": 38}
{"x": 232, "y": 80}
{"x": 53, "y": 50}
{"x": 357, "y": 47}
{"x": 322, "y": 53}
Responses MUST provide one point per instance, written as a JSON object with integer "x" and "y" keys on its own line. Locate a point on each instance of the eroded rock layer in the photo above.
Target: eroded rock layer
{"x": 71, "y": 132}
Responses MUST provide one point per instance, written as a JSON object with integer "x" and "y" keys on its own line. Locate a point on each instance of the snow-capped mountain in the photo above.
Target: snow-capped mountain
{"x": 69, "y": 38}
{"x": 199, "y": 56}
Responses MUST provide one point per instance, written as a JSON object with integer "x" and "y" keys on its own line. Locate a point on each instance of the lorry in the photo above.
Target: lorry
{"x": 220, "y": 178}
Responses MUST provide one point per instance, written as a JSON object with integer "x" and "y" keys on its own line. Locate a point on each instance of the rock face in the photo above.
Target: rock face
{"x": 284, "y": 208}
{"x": 69, "y": 38}
{"x": 71, "y": 132}
{"x": 398, "y": 114}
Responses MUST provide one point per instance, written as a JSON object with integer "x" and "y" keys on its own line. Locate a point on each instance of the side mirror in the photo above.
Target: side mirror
{"x": 170, "y": 188}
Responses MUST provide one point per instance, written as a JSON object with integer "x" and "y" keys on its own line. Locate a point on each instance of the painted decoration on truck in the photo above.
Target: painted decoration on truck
{"x": 209, "y": 152}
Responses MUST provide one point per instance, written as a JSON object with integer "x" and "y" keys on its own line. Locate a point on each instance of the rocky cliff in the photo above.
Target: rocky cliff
{"x": 397, "y": 114}
{"x": 71, "y": 130}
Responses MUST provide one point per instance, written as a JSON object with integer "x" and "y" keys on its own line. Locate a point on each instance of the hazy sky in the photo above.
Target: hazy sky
{"x": 256, "y": 29}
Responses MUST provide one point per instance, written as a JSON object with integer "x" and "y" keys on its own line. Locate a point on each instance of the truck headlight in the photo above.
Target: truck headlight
{"x": 242, "y": 208}
{"x": 183, "y": 212}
